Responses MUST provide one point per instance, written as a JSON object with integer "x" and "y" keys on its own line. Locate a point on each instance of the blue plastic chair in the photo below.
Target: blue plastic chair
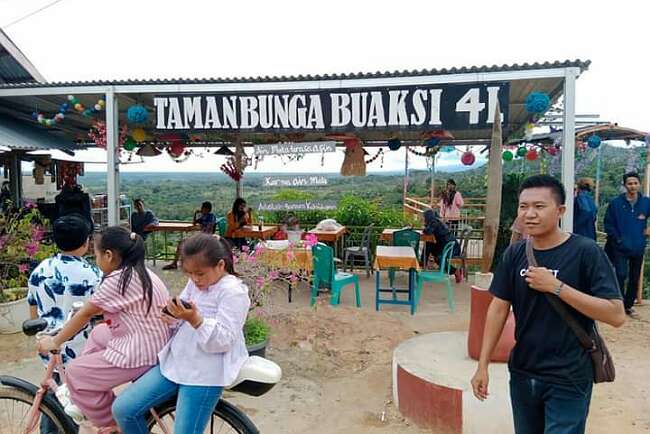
{"x": 439, "y": 276}
{"x": 325, "y": 274}
{"x": 407, "y": 238}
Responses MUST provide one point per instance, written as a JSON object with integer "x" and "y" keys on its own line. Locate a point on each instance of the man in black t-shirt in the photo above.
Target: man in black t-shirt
{"x": 550, "y": 373}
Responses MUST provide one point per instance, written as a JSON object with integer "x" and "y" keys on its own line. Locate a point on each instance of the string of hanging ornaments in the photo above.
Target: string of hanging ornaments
{"x": 380, "y": 153}
{"x": 73, "y": 103}
{"x": 97, "y": 134}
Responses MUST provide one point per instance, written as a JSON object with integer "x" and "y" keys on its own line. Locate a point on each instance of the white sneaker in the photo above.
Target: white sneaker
{"x": 63, "y": 395}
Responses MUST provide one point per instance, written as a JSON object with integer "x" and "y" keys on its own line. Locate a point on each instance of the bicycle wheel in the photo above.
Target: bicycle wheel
{"x": 14, "y": 410}
{"x": 226, "y": 419}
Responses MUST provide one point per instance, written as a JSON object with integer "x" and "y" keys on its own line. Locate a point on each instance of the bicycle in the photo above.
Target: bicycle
{"x": 257, "y": 376}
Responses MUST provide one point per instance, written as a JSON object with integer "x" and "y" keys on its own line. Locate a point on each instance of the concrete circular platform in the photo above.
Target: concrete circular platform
{"x": 431, "y": 387}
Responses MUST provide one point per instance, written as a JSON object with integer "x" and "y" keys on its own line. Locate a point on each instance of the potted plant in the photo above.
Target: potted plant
{"x": 21, "y": 249}
{"x": 263, "y": 269}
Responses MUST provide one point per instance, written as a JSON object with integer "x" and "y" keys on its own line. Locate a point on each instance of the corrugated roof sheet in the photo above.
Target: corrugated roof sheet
{"x": 583, "y": 65}
{"x": 18, "y": 135}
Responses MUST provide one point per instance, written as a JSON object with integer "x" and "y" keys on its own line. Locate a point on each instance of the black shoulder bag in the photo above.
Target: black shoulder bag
{"x": 592, "y": 342}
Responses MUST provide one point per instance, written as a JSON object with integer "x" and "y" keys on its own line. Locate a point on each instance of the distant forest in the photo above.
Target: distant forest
{"x": 174, "y": 196}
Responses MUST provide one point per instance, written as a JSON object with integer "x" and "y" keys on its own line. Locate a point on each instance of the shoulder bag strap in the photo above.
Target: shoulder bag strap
{"x": 585, "y": 340}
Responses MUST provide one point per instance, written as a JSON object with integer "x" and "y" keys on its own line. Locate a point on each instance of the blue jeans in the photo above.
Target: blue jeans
{"x": 194, "y": 404}
{"x": 539, "y": 407}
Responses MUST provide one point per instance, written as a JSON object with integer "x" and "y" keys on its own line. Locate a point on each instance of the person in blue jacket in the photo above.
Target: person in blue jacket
{"x": 584, "y": 209}
{"x": 625, "y": 224}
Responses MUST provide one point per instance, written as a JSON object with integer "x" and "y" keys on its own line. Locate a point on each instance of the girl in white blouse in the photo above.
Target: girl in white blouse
{"x": 207, "y": 349}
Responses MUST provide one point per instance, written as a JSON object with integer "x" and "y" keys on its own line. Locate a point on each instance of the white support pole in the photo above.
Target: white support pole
{"x": 112, "y": 158}
{"x": 569, "y": 145}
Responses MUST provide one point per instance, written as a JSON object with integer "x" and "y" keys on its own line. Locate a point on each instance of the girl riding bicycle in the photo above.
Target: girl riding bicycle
{"x": 207, "y": 349}
{"x": 127, "y": 344}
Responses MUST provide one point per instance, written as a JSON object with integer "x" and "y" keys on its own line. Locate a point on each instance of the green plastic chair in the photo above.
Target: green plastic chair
{"x": 439, "y": 276}
{"x": 222, "y": 225}
{"x": 325, "y": 275}
{"x": 408, "y": 238}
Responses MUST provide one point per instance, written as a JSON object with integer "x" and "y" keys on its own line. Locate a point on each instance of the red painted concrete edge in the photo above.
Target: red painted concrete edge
{"x": 429, "y": 405}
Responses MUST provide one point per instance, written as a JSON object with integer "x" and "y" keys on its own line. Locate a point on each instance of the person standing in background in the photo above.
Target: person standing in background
{"x": 625, "y": 223}
{"x": 585, "y": 210}
{"x": 450, "y": 204}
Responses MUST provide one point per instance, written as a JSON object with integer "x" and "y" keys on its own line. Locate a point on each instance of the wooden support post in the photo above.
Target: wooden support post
{"x": 495, "y": 182}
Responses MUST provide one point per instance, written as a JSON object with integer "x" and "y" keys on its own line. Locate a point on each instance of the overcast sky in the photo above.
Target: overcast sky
{"x": 87, "y": 40}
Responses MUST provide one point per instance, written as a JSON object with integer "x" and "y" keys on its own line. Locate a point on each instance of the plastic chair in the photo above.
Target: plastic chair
{"x": 464, "y": 241}
{"x": 362, "y": 251}
{"x": 408, "y": 238}
{"x": 439, "y": 276}
{"x": 325, "y": 274}
{"x": 222, "y": 225}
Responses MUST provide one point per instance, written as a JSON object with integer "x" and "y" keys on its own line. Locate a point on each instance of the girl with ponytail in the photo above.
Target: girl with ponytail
{"x": 207, "y": 350}
{"x": 127, "y": 344}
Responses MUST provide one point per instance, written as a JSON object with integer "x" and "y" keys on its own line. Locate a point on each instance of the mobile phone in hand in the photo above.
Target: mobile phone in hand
{"x": 185, "y": 304}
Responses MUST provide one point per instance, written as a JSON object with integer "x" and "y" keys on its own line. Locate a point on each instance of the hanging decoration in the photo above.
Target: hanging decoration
{"x": 176, "y": 149}
{"x": 130, "y": 144}
{"x": 64, "y": 108}
{"x": 137, "y": 114}
{"x": 183, "y": 157}
{"x": 507, "y": 155}
{"x": 379, "y": 153}
{"x": 322, "y": 159}
{"x": 468, "y": 158}
{"x": 553, "y": 150}
{"x": 537, "y": 102}
{"x": 149, "y": 150}
{"x": 447, "y": 149}
{"x": 394, "y": 144}
{"x": 97, "y": 134}
{"x": 229, "y": 169}
{"x": 354, "y": 163}
{"x": 594, "y": 141}
{"x": 521, "y": 151}
{"x": 431, "y": 142}
{"x": 428, "y": 152}
{"x": 531, "y": 155}
{"x": 139, "y": 135}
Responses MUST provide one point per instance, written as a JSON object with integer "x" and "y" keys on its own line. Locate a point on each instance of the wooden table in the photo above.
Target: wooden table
{"x": 393, "y": 258}
{"x": 387, "y": 235}
{"x": 334, "y": 237}
{"x": 254, "y": 232}
{"x": 168, "y": 227}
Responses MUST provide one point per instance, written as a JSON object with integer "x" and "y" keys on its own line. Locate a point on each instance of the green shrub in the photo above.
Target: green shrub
{"x": 255, "y": 331}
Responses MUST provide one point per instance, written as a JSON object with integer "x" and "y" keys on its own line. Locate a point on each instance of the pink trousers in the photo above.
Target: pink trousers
{"x": 91, "y": 378}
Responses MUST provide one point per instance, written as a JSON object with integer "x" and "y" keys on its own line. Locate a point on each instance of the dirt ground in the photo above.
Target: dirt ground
{"x": 336, "y": 364}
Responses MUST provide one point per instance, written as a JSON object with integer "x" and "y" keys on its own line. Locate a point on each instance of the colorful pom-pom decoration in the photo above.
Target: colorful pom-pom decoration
{"x": 522, "y": 151}
{"x": 531, "y": 155}
{"x": 137, "y": 114}
{"x": 130, "y": 144}
{"x": 507, "y": 156}
{"x": 467, "y": 158}
{"x": 537, "y": 102}
{"x": 176, "y": 149}
{"x": 138, "y": 134}
{"x": 594, "y": 141}
{"x": 447, "y": 149}
{"x": 553, "y": 150}
{"x": 394, "y": 144}
{"x": 433, "y": 141}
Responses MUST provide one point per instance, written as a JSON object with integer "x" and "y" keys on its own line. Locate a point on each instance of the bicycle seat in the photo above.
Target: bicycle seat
{"x": 33, "y": 326}
{"x": 256, "y": 377}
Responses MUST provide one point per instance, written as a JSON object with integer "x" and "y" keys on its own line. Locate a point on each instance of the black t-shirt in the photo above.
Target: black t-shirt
{"x": 546, "y": 348}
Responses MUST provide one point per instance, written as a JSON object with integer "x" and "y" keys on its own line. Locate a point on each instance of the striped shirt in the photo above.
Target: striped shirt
{"x": 138, "y": 336}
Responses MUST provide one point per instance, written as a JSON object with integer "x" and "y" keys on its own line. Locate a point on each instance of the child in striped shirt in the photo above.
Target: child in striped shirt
{"x": 127, "y": 344}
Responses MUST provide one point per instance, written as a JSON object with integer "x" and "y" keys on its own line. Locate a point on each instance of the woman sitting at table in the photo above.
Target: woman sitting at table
{"x": 237, "y": 218}
{"x": 434, "y": 226}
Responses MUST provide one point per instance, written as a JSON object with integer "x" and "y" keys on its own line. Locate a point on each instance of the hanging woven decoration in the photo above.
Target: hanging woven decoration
{"x": 354, "y": 163}
{"x": 537, "y": 102}
{"x": 394, "y": 144}
{"x": 148, "y": 150}
{"x": 137, "y": 114}
{"x": 230, "y": 169}
{"x": 594, "y": 141}
{"x": 379, "y": 153}
{"x": 507, "y": 155}
{"x": 531, "y": 155}
{"x": 97, "y": 134}
{"x": 467, "y": 158}
{"x": 176, "y": 149}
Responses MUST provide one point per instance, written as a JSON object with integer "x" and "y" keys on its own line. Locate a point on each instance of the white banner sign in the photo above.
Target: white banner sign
{"x": 307, "y": 205}
{"x": 294, "y": 181}
{"x": 295, "y": 148}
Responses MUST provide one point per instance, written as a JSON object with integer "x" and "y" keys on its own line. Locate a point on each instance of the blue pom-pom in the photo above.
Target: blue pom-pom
{"x": 594, "y": 141}
{"x": 64, "y": 107}
{"x": 35, "y": 115}
{"x": 137, "y": 114}
{"x": 394, "y": 144}
{"x": 433, "y": 141}
{"x": 537, "y": 102}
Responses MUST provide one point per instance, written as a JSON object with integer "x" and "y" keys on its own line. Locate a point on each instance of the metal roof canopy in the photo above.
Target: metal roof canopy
{"x": 606, "y": 131}
{"x": 556, "y": 79}
{"x": 23, "y": 136}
